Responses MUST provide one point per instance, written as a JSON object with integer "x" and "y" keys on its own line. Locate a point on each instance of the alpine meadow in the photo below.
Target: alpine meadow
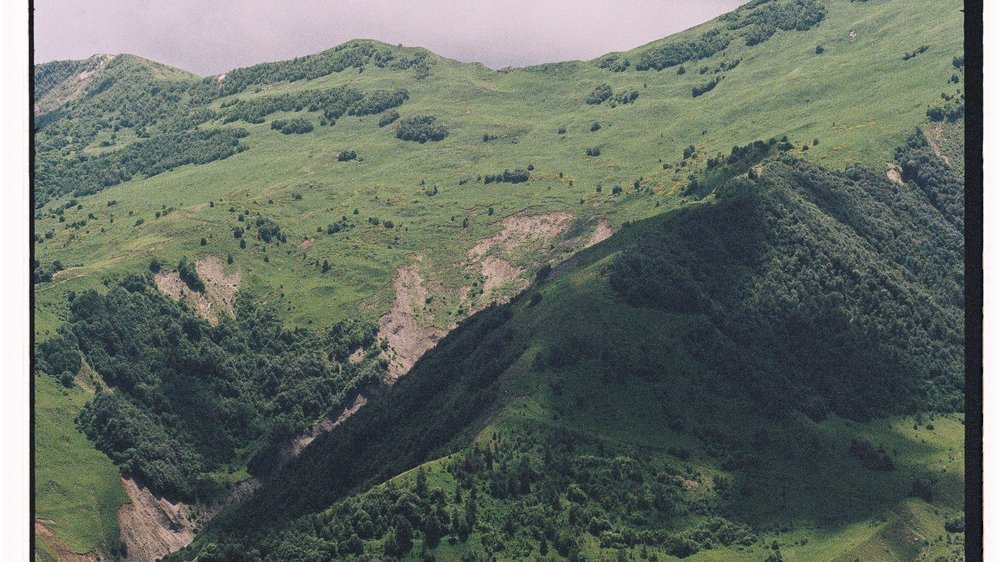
{"x": 701, "y": 300}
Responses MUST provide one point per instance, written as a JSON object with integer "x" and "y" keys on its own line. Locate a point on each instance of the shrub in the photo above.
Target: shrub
{"x": 268, "y": 230}
{"x": 295, "y": 126}
{"x": 517, "y": 176}
{"x": 347, "y": 155}
{"x": 599, "y": 95}
{"x": 706, "y": 87}
{"x": 919, "y": 50}
{"x": 421, "y": 128}
{"x": 388, "y": 117}
{"x": 594, "y": 151}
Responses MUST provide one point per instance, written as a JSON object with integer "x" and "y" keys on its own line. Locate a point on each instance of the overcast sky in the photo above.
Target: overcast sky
{"x": 213, "y": 36}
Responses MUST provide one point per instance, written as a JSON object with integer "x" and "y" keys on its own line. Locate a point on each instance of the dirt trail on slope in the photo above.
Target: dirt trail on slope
{"x": 57, "y": 547}
{"x": 152, "y": 527}
{"x": 400, "y": 326}
{"x": 220, "y": 289}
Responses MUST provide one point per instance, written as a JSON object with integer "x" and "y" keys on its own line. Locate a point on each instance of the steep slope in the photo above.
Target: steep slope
{"x": 309, "y": 181}
{"x": 670, "y": 417}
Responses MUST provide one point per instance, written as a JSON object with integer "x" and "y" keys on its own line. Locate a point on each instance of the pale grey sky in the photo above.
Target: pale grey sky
{"x": 213, "y": 36}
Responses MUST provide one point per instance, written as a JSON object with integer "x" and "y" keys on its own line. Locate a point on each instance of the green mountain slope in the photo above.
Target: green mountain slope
{"x": 321, "y": 192}
{"x": 670, "y": 419}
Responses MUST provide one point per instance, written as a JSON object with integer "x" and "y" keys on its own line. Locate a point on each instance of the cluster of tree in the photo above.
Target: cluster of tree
{"x": 951, "y": 110}
{"x": 625, "y": 97}
{"x": 295, "y": 126}
{"x": 675, "y": 53}
{"x": 189, "y": 274}
{"x": 720, "y": 169}
{"x": 517, "y": 176}
{"x": 517, "y": 495}
{"x": 356, "y": 54}
{"x": 706, "y": 87}
{"x": 333, "y": 102}
{"x": 50, "y": 74}
{"x": 421, "y": 128}
{"x": 912, "y": 54}
{"x": 818, "y": 279}
{"x": 126, "y": 93}
{"x": 599, "y": 95}
{"x": 339, "y": 226}
{"x": 721, "y": 67}
{"x": 268, "y": 230}
{"x": 762, "y": 19}
{"x": 378, "y": 101}
{"x": 185, "y": 398}
{"x": 40, "y": 274}
{"x": 613, "y": 62}
{"x": 86, "y": 175}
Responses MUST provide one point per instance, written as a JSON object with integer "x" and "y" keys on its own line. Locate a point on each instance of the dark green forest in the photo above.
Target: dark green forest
{"x": 184, "y": 400}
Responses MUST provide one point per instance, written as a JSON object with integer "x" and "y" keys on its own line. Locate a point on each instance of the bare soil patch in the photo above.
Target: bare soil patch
{"x": 306, "y": 243}
{"x": 152, "y": 527}
{"x": 601, "y": 233}
{"x": 220, "y": 289}
{"x": 400, "y": 326}
{"x": 519, "y": 229}
{"x": 497, "y": 271}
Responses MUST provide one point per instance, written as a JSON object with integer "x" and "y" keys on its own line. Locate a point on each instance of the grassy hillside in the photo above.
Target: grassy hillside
{"x": 77, "y": 490}
{"x": 652, "y": 428}
{"x": 298, "y": 177}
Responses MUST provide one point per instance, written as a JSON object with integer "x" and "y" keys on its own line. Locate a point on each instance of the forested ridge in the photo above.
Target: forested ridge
{"x": 801, "y": 289}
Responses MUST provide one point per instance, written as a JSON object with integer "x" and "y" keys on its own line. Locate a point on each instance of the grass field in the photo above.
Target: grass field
{"x": 77, "y": 493}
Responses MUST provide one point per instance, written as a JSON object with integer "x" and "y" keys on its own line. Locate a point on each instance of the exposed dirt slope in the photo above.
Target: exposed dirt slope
{"x": 401, "y": 327}
{"x": 219, "y": 294}
{"x": 152, "y": 527}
